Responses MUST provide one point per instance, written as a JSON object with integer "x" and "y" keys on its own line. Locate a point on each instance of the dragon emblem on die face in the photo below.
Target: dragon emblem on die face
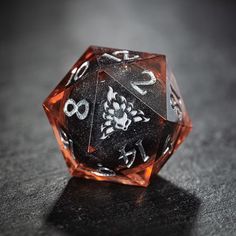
{"x": 119, "y": 114}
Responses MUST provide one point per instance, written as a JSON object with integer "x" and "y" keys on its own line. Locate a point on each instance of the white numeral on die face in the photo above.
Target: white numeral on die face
{"x": 136, "y": 84}
{"x": 129, "y": 157}
{"x": 175, "y": 102}
{"x": 104, "y": 171}
{"x": 77, "y": 73}
{"x": 75, "y": 108}
{"x": 125, "y": 54}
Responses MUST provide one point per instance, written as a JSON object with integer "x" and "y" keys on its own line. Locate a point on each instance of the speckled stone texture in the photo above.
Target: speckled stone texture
{"x": 194, "y": 193}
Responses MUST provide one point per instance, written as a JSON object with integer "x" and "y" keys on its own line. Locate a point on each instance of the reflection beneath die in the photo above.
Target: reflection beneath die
{"x": 162, "y": 207}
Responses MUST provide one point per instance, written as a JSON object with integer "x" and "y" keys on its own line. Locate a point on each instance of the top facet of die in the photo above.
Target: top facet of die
{"x": 150, "y": 79}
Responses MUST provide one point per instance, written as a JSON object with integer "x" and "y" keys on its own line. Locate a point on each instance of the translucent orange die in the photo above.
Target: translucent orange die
{"x": 118, "y": 115}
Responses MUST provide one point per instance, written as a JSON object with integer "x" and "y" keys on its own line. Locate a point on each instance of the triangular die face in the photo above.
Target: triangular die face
{"x": 176, "y": 110}
{"x": 83, "y": 68}
{"x": 79, "y": 111}
{"x": 169, "y": 136}
{"x": 53, "y": 104}
{"x": 172, "y": 96}
{"x": 111, "y": 56}
{"x": 73, "y": 110}
{"x": 157, "y": 65}
{"x": 172, "y": 136}
{"x": 64, "y": 141}
{"x": 140, "y": 178}
{"x": 122, "y": 123}
{"x": 145, "y": 80}
{"x": 184, "y": 132}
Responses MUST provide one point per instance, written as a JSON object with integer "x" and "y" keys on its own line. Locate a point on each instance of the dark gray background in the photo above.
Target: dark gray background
{"x": 194, "y": 193}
